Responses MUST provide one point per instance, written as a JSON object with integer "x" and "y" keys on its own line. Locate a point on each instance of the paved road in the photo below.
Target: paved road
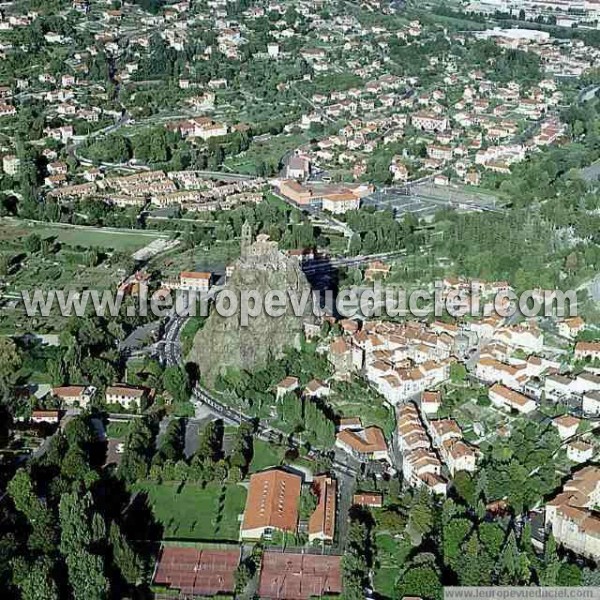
{"x": 264, "y": 431}
{"x": 328, "y": 264}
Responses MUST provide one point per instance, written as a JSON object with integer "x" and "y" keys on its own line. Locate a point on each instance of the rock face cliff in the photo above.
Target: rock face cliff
{"x": 224, "y": 342}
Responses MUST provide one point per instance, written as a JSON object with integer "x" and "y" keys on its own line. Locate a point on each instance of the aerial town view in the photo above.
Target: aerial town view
{"x": 299, "y": 299}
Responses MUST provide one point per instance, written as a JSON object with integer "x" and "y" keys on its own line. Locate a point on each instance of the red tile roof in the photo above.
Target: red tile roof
{"x": 70, "y": 391}
{"x": 367, "y": 441}
{"x": 368, "y": 499}
{"x": 322, "y": 521}
{"x": 194, "y": 275}
{"x": 272, "y": 501}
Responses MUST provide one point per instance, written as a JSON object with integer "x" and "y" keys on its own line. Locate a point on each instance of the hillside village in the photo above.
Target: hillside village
{"x": 177, "y": 151}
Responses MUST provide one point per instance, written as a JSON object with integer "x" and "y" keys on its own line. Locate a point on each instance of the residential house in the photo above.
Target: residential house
{"x": 50, "y": 417}
{"x": 286, "y": 386}
{"x": 579, "y": 451}
{"x": 572, "y": 515}
{"x": 340, "y": 202}
{"x": 570, "y": 328}
{"x": 503, "y": 397}
{"x": 370, "y": 499}
{"x": 341, "y": 358}
{"x": 74, "y": 395}
{"x": 365, "y": 444}
{"x": 584, "y": 350}
{"x": 431, "y": 402}
{"x": 558, "y": 386}
{"x": 127, "y": 397}
{"x": 316, "y": 389}
{"x": 491, "y": 370}
{"x": 591, "y": 404}
{"x": 196, "y": 281}
{"x": 11, "y": 164}
{"x": 566, "y": 425}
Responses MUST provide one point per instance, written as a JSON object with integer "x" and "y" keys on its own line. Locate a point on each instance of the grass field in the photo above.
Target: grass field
{"x": 270, "y": 151}
{"x": 64, "y": 266}
{"x": 123, "y": 240}
{"x": 198, "y": 258}
{"x": 265, "y": 455}
{"x": 391, "y": 554}
{"x": 117, "y": 429}
{"x": 196, "y": 513}
{"x": 358, "y": 399}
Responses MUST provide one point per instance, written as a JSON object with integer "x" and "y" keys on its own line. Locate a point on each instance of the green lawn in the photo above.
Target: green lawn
{"x": 117, "y": 429}
{"x": 265, "y": 455}
{"x": 391, "y": 554}
{"x": 196, "y": 513}
{"x": 198, "y": 258}
{"x": 358, "y": 399}
{"x": 124, "y": 240}
{"x": 270, "y": 152}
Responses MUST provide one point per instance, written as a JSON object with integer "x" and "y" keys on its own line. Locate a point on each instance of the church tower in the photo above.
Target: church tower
{"x": 246, "y": 240}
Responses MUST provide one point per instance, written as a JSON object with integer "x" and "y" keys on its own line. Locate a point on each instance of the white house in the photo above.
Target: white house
{"x": 530, "y": 339}
{"x": 557, "y": 386}
{"x": 367, "y": 444}
{"x": 74, "y": 395}
{"x": 286, "y": 386}
{"x": 579, "y": 451}
{"x": 491, "y": 370}
{"x": 572, "y": 517}
{"x": 586, "y": 382}
{"x": 585, "y": 350}
{"x": 458, "y": 456}
{"x": 127, "y": 397}
{"x": 503, "y": 397}
{"x": 51, "y": 417}
{"x": 339, "y": 203}
{"x": 591, "y": 404}
{"x": 431, "y": 402}
{"x": 566, "y": 425}
{"x": 195, "y": 281}
{"x": 570, "y": 328}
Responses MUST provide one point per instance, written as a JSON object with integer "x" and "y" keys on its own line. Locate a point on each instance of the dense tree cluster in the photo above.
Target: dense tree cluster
{"x": 67, "y": 533}
{"x": 311, "y": 420}
{"x": 520, "y": 468}
{"x": 379, "y": 231}
{"x": 423, "y": 541}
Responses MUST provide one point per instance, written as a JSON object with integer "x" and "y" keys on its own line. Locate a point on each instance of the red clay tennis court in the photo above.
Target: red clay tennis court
{"x": 197, "y": 572}
{"x": 299, "y": 576}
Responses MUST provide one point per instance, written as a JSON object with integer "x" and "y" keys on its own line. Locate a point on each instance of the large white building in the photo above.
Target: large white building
{"x": 341, "y": 202}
